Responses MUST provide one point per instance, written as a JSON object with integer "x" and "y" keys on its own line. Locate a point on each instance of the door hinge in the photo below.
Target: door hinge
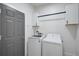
{"x": 0, "y": 10}
{"x": 0, "y": 37}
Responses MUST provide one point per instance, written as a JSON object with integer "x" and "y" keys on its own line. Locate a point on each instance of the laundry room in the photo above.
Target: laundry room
{"x": 55, "y": 18}
{"x": 39, "y": 29}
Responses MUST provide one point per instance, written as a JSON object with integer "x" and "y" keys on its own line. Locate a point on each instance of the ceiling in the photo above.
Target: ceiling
{"x": 39, "y": 4}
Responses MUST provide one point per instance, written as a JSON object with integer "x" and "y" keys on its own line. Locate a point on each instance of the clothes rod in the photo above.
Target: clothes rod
{"x": 52, "y": 14}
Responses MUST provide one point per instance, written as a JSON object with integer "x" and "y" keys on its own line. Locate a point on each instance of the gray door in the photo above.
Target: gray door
{"x": 12, "y": 32}
{"x": 0, "y": 31}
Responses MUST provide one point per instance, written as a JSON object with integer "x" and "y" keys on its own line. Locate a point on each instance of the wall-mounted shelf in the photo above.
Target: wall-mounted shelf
{"x": 35, "y": 26}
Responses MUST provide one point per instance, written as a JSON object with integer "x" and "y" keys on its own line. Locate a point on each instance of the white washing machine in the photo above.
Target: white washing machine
{"x": 34, "y": 46}
{"x": 52, "y": 45}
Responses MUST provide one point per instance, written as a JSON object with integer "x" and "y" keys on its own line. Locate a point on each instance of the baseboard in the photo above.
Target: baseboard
{"x": 69, "y": 54}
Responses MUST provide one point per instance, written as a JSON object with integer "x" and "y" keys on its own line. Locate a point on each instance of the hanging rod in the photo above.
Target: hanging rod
{"x": 52, "y": 14}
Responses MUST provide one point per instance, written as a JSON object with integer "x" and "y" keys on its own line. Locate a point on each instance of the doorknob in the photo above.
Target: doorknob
{"x": 39, "y": 40}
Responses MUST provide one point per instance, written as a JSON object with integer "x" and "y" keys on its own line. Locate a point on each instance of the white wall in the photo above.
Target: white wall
{"x": 27, "y": 9}
{"x": 56, "y": 24}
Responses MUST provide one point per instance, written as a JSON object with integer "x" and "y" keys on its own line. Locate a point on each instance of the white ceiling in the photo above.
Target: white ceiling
{"x": 42, "y": 4}
{"x": 39, "y": 4}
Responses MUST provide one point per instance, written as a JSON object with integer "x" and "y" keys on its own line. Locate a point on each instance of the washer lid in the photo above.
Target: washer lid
{"x": 53, "y": 38}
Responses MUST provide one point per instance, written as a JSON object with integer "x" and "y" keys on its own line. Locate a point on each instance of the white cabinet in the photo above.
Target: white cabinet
{"x": 71, "y": 15}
